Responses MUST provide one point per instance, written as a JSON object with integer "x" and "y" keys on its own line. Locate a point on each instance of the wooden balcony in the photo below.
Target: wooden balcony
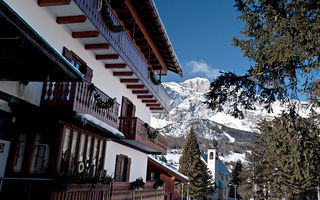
{"x": 77, "y": 97}
{"x": 134, "y": 129}
{"x": 45, "y": 189}
{"x": 122, "y": 191}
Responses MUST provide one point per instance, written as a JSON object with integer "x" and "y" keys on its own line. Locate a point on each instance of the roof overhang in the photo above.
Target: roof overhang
{"x": 25, "y": 56}
{"x": 167, "y": 170}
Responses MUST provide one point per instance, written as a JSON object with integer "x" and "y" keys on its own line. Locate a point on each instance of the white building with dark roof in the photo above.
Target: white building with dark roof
{"x": 220, "y": 174}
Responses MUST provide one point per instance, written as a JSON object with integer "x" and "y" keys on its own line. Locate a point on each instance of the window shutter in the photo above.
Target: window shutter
{"x": 128, "y": 170}
{"x": 118, "y": 168}
{"x": 124, "y": 106}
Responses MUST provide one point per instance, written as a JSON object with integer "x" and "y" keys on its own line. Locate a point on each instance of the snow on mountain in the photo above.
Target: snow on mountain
{"x": 189, "y": 109}
{"x": 187, "y": 103}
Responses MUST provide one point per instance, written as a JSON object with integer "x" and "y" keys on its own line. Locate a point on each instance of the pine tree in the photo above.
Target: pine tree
{"x": 281, "y": 38}
{"x": 191, "y": 165}
{"x": 235, "y": 178}
{"x": 284, "y": 160}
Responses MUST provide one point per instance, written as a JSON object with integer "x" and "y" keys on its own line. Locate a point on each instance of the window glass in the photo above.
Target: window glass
{"x": 40, "y": 156}
{"x": 100, "y": 164}
{"x": 65, "y": 150}
{"x": 19, "y": 153}
{"x": 95, "y": 149}
{"x": 122, "y": 171}
{"x": 89, "y": 148}
{"x": 73, "y": 159}
{"x": 81, "y": 146}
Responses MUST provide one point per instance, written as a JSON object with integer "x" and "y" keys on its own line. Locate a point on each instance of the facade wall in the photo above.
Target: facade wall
{"x": 139, "y": 160}
{"x": 30, "y": 93}
{"x": 59, "y": 36}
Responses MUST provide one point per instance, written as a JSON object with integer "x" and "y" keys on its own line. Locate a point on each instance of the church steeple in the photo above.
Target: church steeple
{"x": 212, "y": 157}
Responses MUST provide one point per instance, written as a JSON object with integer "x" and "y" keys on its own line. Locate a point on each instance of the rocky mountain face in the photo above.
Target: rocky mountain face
{"x": 189, "y": 109}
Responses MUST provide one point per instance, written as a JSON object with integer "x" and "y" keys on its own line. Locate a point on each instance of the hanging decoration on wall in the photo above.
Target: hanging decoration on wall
{"x": 103, "y": 8}
{"x": 152, "y": 135}
{"x": 154, "y": 78}
{"x": 96, "y": 99}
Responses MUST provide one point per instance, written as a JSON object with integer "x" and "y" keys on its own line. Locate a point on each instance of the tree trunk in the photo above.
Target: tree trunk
{"x": 318, "y": 191}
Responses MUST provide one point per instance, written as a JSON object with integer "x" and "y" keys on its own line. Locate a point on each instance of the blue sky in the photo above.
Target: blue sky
{"x": 201, "y": 33}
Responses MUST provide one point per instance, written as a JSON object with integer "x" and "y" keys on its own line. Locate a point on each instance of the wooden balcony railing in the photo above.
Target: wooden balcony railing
{"x": 42, "y": 189}
{"x": 77, "y": 97}
{"x": 122, "y": 191}
{"x": 134, "y": 129}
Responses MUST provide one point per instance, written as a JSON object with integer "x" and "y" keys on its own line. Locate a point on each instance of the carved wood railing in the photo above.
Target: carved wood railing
{"x": 122, "y": 191}
{"x": 134, "y": 129}
{"x": 77, "y": 97}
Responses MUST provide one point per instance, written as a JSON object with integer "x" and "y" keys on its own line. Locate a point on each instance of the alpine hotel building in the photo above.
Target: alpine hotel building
{"x": 79, "y": 80}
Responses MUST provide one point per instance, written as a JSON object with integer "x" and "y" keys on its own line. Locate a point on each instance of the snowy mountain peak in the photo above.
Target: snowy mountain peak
{"x": 187, "y": 102}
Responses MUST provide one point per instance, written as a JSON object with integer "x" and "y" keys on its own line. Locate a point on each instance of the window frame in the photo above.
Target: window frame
{"x": 100, "y": 140}
{"x": 118, "y": 167}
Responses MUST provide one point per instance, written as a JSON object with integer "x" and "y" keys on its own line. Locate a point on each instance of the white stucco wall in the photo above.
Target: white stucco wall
{"x": 59, "y": 36}
{"x": 30, "y": 93}
{"x": 139, "y": 160}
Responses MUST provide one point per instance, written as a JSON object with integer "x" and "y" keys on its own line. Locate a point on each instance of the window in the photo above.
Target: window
{"x": 122, "y": 171}
{"x": 31, "y": 152}
{"x": 19, "y": 152}
{"x": 78, "y": 63}
{"x": 211, "y": 156}
{"x": 153, "y": 176}
{"x": 39, "y": 163}
{"x": 81, "y": 146}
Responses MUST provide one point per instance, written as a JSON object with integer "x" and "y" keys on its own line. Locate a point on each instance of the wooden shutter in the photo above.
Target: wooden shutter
{"x": 128, "y": 109}
{"x": 124, "y": 106}
{"x": 128, "y": 169}
{"x": 118, "y": 168}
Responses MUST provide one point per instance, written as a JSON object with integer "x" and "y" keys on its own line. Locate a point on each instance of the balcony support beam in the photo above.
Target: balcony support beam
{"x": 145, "y": 96}
{"x": 153, "y": 105}
{"x": 129, "y": 80}
{"x": 115, "y": 66}
{"x": 122, "y": 73}
{"x": 149, "y": 101}
{"x": 135, "y": 86}
{"x": 96, "y": 46}
{"x": 140, "y": 91}
{"x": 53, "y": 2}
{"x": 156, "y": 108}
{"x": 71, "y": 19}
{"x": 107, "y": 57}
{"x": 85, "y": 34}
